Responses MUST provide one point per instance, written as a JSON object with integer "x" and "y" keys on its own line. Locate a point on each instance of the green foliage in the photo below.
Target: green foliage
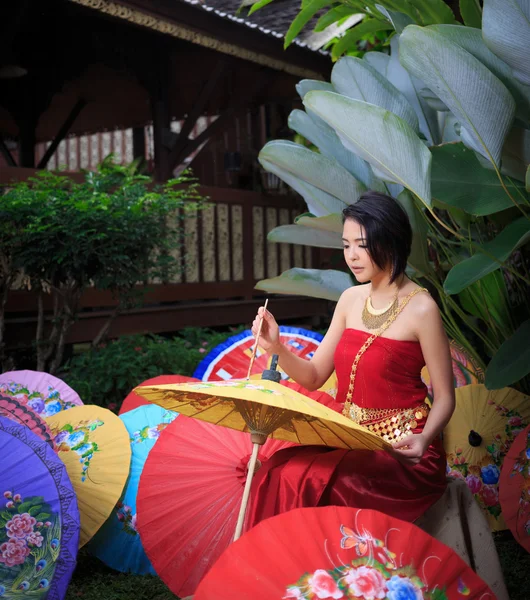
{"x": 106, "y": 374}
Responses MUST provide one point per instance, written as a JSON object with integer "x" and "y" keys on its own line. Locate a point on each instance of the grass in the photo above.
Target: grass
{"x": 92, "y": 580}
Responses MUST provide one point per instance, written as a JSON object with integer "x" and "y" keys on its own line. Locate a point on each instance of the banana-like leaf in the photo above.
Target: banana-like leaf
{"x": 355, "y": 78}
{"x": 419, "y": 255}
{"x": 331, "y": 223}
{"x": 472, "y": 269}
{"x": 450, "y": 128}
{"x": 350, "y": 39}
{"x": 506, "y": 31}
{"x": 327, "y": 141}
{"x": 471, "y": 12}
{"x": 471, "y": 40}
{"x": 409, "y": 86}
{"x": 305, "y": 236}
{"x": 316, "y": 283}
{"x": 302, "y": 19}
{"x": 378, "y": 61}
{"x": 516, "y": 153}
{"x": 474, "y": 95}
{"x": 458, "y": 179}
{"x": 314, "y": 168}
{"x": 527, "y": 179}
{"x": 433, "y": 11}
{"x": 431, "y": 98}
{"x": 257, "y": 5}
{"x": 399, "y": 20}
{"x": 307, "y": 85}
{"x": 512, "y": 360}
{"x": 380, "y": 137}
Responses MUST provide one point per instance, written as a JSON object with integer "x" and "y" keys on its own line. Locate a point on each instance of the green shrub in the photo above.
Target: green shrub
{"x": 106, "y": 374}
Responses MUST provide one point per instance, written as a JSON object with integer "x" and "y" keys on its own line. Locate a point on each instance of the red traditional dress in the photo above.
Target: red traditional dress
{"x": 388, "y": 390}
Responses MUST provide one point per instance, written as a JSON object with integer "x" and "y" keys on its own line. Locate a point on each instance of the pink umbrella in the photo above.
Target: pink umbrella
{"x": 45, "y": 394}
{"x": 24, "y": 415}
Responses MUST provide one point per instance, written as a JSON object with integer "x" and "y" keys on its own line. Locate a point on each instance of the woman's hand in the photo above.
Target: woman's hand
{"x": 411, "y": 449}
{"x": 269, "y": 338}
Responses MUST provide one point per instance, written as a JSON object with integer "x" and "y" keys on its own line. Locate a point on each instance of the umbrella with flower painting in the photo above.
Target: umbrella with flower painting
{"x": 43, "y": 393}
{"x": 230, "y": 359}
{"x": 465, "y": 371}
{"x": 133, "y": 401}
{"x": 39, "y": 519}
{"x": 514, "y": 488}
{"x": 23, "y": 414}
{"x": 118, "y": 542}
{"x": 478, "y": 437}
{"x": 94, "y": 445}
{"x": 339, "y": 553}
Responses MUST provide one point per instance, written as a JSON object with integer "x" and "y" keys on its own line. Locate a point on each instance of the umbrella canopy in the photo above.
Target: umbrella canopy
{"x": 230, "y": 360}
{"x": 514, "y": 488}
{"x": 197, "y": 472}
{"x": 133, "y": 401}
{"x": 43, "y": 393}
{"x": 39, "y": 519}
{"x": 477, "y": 438}
{"x": 94, "y": 445}
{"x": 266, "y": 408}
{"x": 23, "y": 414}
{"x": 118, "y": 542}
{"x": 339, "y": 553}
{"x": 465, "y": 371}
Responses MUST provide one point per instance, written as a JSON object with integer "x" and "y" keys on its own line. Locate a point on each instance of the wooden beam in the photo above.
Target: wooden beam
{"x": 7, "y": 154}
{"x": 198, "y": 108}
{"x": 63, "y": 132}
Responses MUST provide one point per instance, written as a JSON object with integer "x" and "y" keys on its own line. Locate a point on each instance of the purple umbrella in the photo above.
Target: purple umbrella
{"x": 43, "y": 393}
{"x": 39, "y": 519}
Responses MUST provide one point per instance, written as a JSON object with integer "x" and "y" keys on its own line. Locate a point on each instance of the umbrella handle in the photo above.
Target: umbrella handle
{"x": 255, "y": 349}
{"x": 246, "y": 491}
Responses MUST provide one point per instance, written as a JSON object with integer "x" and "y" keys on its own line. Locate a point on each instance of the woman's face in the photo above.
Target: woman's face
{"x": 356, "y": 253}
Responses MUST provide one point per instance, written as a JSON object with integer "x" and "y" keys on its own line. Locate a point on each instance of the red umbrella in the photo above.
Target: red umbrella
{"x": 133, "y": 401}
{"x": 25, "y": 415}
{"x": 339, "y": 553}
{"x": 514, "y": 488}
{"x": 189, "y": 497}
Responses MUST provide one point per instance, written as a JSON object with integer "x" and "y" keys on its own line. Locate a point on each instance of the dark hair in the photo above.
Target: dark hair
{"x": 387, "y": 229}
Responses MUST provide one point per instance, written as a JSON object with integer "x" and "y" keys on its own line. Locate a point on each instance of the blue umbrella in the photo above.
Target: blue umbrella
{"x": 39, "y": 518}
{"x": 118, "y": 543}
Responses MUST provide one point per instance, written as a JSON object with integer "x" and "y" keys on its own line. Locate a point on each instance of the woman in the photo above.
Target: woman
{"x": 380, "y": 337}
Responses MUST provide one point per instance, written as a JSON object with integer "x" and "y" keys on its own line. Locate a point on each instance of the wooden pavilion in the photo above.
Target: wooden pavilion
{"x": 163, "y": 79}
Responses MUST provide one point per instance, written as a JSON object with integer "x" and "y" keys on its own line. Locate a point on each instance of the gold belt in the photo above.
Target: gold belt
{"x": 392, "y": 424}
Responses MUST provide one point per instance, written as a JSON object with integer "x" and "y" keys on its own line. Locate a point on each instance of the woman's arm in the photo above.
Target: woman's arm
{"x": 312, "y": 373}
{"x": 435, "y": 349}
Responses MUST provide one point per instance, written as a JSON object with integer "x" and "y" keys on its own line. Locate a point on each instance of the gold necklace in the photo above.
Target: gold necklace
{"x": 374, "y": 318}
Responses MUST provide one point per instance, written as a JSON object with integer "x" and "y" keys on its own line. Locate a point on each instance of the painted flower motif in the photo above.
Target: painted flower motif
{"x": 474, "y": 484}
{"x": 20, "y": 526}
{"x": 293, "y": 593}
{"x": 37, "y": 404}
{"x": 527, "y": 453}
{"x": 366, "y": 583}
{"x": 489, "y": 495}
{"x": 10, "y": 504}
{"x": 75, "y": 438}
{"x": 133, "y": 522}
{"x": 17, "y": 498}
{"x": 515, "y": 421}
{"x": 324, "y": 586}
{"x": 52, "y": 408}
{"x": 8, "y": 494}
{"x": 455, "y": 474}
{"x": 2, "y": 590}
{"x": 13, "y": 552}
{"x": 490, "y": 474}
{"x": 84, "y": 448}
{"x": 61, "y": 437}
{"x": 35, "y": 539}
{"x": 402, "y": 588}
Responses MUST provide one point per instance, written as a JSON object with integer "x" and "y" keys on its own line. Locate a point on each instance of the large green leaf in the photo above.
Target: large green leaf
{"x": 433, "y": 11}
{"x": 516, "y": 153}
{"x": 471, "y": 12}
{"x": 306, "y": 236}
{"x": 316, "y": 283}
{"x": 512, "y": 361}
{"x": 314, "y": 168}
{"x": 332, "y": 223}
{"x": 506, "y": 31}
{"x": 303, "y": 18}
{"x": 379, "y": 137}
{"x": 332, "y": 16}
{"x": 419, "y": 254}
{"x": 350, "y": 39}
{"x": 472, "y": 269}
{"x": 471, "y": 40}
{"x": 379, "y": 61}
{"x": 257, "y": 5}
{"x": 399, "y": 20}
{"x": 355, "y": 78}
{"x": 307, "y": 85}
{"x": 327, "y": 141}
{"x": 476, "y": 97}
{"x": 458, "y": 179}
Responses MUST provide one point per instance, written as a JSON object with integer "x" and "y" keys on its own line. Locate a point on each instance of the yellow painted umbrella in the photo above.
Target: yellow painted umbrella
{"x": 94, "y": 445}
{"x": 264, "y": 409}
{"x": 477, "y": 438}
